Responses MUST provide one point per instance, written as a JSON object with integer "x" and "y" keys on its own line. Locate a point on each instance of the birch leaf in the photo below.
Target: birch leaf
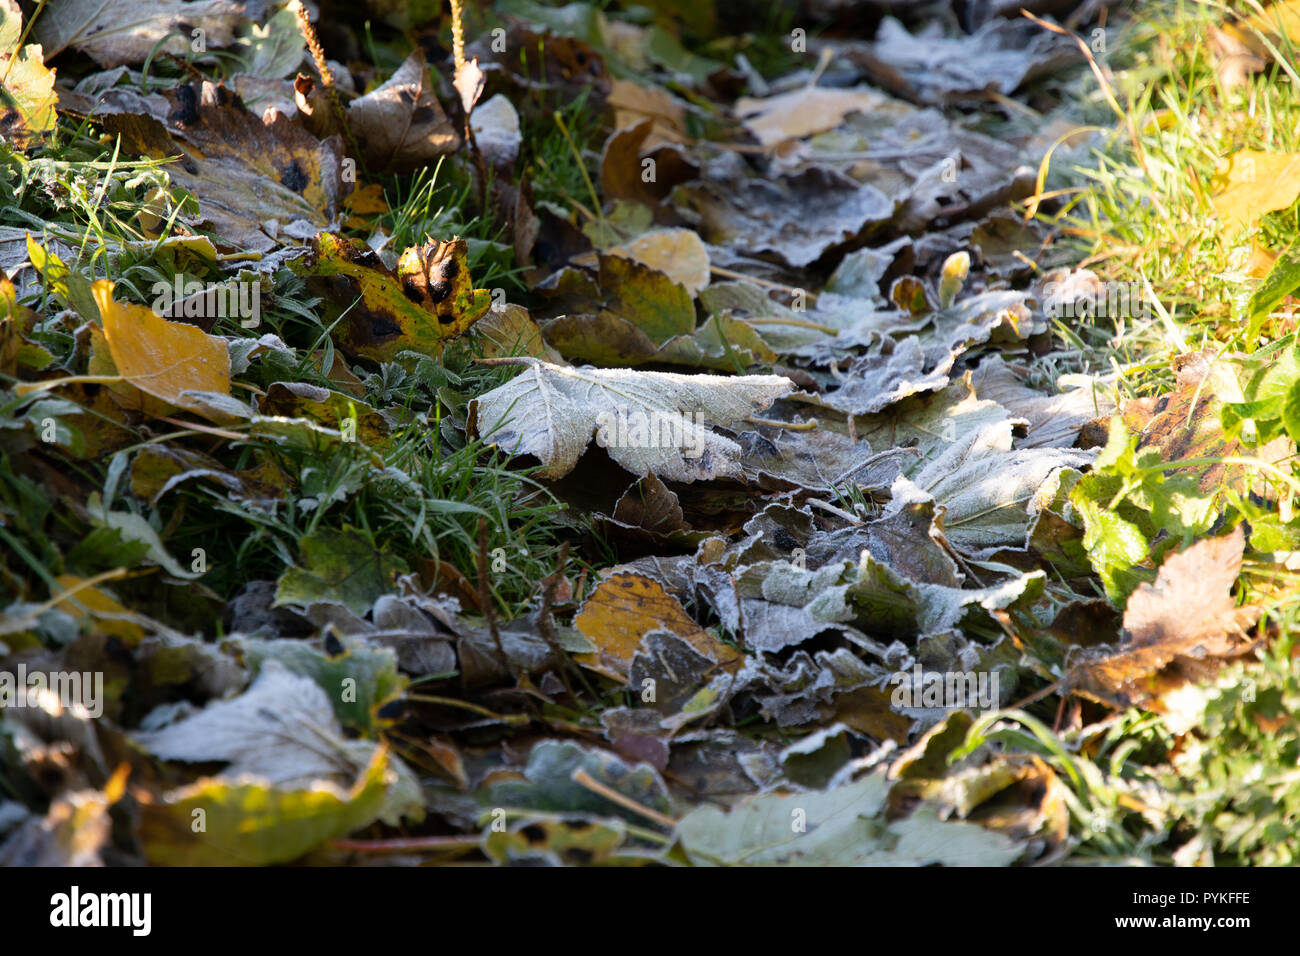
{"x": 647, "y": 421}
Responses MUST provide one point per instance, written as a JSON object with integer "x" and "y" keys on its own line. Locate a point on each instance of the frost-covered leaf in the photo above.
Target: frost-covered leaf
{"x": 797, "y": 218}
{"x": 1054, "y": 419}
{"x": 985, "y": 488}
{"x": 117, "y": 32}
{"x": 843, "y": 826}
{"x": 648, "y": 421}
{"x": 928, "y": 67}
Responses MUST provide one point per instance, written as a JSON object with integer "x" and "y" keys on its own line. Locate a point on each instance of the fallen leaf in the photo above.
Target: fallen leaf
{"x": 623, "y": 609}
{"x": 649, "y": 421}
{"x": 803, "y": 112}
{"x": 340, "y": 567}
{"x": 259, "y": 181}
{"x": 843, "y": 826}
{"x": 928, "y": 67}
{"x": 1188, "y": 612}
{"x": 27, "y": 97}
{"x": 160, "y": 358}
{"x": 427, "y": 300}
{"x": 678, "y": 253}
{"x": 118, "y": 32}
{"x": 401, "y": 125}
{"x": 1257, "y": 183}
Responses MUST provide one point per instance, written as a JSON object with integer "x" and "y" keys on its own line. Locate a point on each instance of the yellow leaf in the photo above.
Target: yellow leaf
{"x": 1257, "y": 183}
{"x": 623, "y": 609}
{"x": 161, "y": 358}
{"x": 426, "y": 301}
{"x": 678, "y": 253}
{"x": 97, "y": 605}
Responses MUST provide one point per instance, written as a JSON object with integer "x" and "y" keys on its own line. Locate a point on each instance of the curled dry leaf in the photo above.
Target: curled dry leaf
{"x": 401, "y": 125}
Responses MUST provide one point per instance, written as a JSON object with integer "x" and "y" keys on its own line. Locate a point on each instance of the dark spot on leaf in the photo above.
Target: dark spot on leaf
{"x": 391, "y": 710}
{"x": 186, "y": 110}
{"x": 412, "y": 291}
{"x": 333, "y": 646}
{"x": 446, "y": 318}
{"x": 439, "y": 290}
{"x": 294, "y": 177}
{"x": 578, "y": 855}
{"x": 381, "y": 325}
{"x": 533, "y": 834}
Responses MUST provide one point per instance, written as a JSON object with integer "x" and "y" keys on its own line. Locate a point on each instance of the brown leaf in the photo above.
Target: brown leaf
{"x": 256, "y": 179}
{"x": 401, "y": 125}
{"x": 1185, "y": 424}
{"x": 1188, "y": 613}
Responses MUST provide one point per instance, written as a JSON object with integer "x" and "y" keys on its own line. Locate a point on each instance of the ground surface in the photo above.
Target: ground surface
{"x": 648, "y": 434}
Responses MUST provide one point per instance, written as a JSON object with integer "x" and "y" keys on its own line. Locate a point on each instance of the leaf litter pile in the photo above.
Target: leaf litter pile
{"x": 573, "y": 435}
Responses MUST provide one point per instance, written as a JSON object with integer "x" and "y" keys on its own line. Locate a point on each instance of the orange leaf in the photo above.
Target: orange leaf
{"x": 623, "y": 609}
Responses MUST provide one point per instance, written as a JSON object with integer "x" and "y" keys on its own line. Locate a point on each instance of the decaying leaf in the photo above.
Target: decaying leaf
{"x": 626, "y": 607}
{"x": 401, "y": 125}
{"x": 259, "y": 181}
{"x": 647, "y": 421}
{"x": 27, "y": 97}
{"x": 1188, "y": 613}
{"x": 429, "y": 299}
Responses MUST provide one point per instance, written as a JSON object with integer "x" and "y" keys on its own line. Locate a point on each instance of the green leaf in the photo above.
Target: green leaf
{"x": 1282, "y": 280}
{"x": 251, "y": 823}
{"x": 1291, "y": 412}
{"x": 339, "y": 567}
{"x": 844, "y": 826}
{"x": 358, "y": 682}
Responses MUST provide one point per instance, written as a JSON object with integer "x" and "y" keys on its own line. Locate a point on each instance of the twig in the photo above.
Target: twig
{"x": 585, "y": 779}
